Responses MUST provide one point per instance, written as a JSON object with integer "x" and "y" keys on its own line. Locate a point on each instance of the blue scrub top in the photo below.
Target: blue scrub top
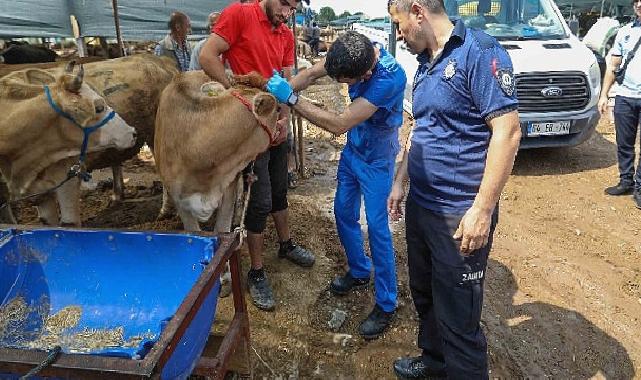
{"x": 454, "y": 95}
{"x": 377, "y": 137}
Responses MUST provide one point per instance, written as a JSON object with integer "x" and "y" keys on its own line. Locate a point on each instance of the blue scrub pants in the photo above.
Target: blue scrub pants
{"x": 373, "y": 181}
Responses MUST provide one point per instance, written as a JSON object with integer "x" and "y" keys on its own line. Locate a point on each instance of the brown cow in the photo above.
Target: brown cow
{"x": 132, "y": 87}
{"x": 38, "y": 142}
{"x": 205, "y": 136}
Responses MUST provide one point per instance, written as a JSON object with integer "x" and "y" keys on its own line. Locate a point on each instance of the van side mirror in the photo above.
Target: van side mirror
{"x": 574, "y": 27}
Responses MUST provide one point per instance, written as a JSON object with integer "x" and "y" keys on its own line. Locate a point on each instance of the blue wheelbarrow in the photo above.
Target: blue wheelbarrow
{"x": 104, "y": 304}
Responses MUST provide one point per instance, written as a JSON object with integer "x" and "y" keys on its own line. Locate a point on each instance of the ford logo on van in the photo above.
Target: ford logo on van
{"x": 552, "y": 91}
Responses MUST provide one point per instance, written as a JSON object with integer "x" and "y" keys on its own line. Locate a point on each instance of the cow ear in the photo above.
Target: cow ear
{"x": 264, "y": 104}
{"x": 38, "y": 77}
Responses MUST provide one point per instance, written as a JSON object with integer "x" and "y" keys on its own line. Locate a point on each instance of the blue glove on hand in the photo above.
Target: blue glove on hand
{"x": 279, "y": 87}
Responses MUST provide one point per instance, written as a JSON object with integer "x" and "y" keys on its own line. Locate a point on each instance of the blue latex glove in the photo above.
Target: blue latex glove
{"x": 279, "y": 87}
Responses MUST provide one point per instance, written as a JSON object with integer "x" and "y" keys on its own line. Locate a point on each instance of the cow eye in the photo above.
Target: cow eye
{"x": 100, "y": 109}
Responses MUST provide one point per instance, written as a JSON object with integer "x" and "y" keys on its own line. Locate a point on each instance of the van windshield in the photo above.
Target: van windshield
{"x": 509, "y": 19}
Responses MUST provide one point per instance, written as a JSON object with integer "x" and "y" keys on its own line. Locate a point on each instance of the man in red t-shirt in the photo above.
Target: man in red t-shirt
{"x": 254, "y": 37}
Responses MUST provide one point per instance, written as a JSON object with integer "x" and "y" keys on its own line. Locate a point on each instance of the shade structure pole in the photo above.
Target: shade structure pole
{"x": 296, "y": 120}
{"x": 121, "y": 45}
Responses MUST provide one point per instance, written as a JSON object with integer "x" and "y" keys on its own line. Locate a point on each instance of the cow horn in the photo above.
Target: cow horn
{"x": 70, "y": 66}
{"x": 76, "y": 84}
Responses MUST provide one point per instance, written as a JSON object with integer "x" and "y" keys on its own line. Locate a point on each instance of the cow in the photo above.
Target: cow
{"x": 42, "y": 128}
{"x": 132, "y": 87}
{"x": 205, "y": 136}
{"x": 24, "y": 53}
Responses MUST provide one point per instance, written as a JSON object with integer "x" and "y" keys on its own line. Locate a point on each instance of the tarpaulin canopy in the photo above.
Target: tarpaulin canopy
{"x": 139, "y": 19}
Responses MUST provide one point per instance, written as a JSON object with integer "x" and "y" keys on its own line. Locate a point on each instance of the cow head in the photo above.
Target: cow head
{"x": 89, "y": 109}
{"x": 70, "y": 97}
{"x": 265, "y": 109}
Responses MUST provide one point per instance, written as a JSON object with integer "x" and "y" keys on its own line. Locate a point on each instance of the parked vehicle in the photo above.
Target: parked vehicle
{"x": 557, "y": 77}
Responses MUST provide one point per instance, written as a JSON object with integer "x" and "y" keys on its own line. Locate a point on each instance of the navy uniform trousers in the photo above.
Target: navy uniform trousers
{"x": 447, "y": 289}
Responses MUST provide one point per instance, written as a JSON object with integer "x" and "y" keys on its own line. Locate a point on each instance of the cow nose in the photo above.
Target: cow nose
{"x": 135, "y": 135}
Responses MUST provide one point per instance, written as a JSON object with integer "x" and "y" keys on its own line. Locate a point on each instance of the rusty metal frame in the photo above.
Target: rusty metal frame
{"x": 82, "y": 366}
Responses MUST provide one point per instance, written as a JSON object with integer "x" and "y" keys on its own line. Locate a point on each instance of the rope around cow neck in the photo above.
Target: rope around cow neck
{"x": 272, "y": 136}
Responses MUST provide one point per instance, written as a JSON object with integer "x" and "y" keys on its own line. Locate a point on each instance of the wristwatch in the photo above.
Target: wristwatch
{"x": 293, "y": 99}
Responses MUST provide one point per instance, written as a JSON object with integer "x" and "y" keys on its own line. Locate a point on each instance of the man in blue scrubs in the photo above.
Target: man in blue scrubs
{"x": 366, "y": 168}
{"x": 461, "y": 154}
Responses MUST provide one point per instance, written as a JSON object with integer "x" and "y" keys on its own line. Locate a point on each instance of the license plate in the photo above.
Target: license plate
{"x": 546, "y": 129}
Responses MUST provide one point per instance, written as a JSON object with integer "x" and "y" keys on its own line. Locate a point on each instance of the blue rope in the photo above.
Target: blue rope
{"x": 85, "y": 130}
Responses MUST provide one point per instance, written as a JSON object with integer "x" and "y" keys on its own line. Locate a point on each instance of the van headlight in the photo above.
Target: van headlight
{"x": 595, "y": 75}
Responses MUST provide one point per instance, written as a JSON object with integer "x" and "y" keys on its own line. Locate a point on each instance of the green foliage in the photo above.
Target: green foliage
{"x": 326, "y": 14}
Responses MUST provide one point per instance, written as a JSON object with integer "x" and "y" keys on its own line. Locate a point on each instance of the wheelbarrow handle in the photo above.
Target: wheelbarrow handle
{"x": 53, "y": 355}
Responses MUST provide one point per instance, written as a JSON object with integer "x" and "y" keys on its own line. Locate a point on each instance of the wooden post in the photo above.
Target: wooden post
{"x": 392, "y": 39}
{"x": 297, "y": 122}
{"x": 80, "y": 42}
{"x": 105, "y": 47}
{"x": 301, "y": 147}
{"x": 121, "y": 45}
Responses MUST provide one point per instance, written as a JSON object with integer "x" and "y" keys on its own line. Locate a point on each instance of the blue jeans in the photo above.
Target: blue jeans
{"x": 372, "y": 181}
{"x": 627, "y": 114}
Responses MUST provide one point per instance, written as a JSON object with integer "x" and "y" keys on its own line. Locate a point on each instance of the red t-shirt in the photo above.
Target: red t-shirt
{"x": 254, "y": 44}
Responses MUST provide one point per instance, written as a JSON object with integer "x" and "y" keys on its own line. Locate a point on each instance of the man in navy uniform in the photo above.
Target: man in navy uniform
{"x": 461, "y": 154}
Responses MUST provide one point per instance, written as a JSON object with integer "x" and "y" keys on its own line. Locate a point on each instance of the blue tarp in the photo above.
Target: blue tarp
{"x": 139, "y": 19}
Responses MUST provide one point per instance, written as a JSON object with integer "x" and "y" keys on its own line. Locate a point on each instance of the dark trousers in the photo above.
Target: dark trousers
{"x": 447, "y": 289}
{"x": 627, "y": 114}
{"x": 269, "y": 192}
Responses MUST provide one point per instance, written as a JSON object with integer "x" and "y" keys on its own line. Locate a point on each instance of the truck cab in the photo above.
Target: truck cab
{"x": 557, "y": 77}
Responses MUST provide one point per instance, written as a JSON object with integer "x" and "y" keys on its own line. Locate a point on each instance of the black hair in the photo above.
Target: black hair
{"x": 350, "y": 56}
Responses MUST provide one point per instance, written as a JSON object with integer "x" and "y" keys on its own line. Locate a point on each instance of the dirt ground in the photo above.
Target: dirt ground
{"x": 563, "y": 289}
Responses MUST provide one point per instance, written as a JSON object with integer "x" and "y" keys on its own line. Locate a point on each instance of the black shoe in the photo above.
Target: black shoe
{"x": 260, "y": 290}
{"x": 637, "y": 198}
{"x": 621, "y": 188}
{"x": 414, "y": 369}
{"x": 296, "y": 254}
{"x": 343, "y": 284}
{"x": 376, "y": 323}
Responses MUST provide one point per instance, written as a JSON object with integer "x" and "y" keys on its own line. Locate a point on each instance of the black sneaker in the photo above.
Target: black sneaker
{"x": 260, "y": 290}
{"x": 408, "y": 368}
{"x": 637, "y": 198}
{"x": 376, "y": 323}
{"x": 343, "y": 284}
{"x": 622, "y": 188}
{"x": 296, "y": 254}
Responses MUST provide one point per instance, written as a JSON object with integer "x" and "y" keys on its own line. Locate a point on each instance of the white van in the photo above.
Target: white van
{"x": 557, "y": 77}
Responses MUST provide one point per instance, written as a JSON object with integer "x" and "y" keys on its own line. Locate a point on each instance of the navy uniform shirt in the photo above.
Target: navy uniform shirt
{"x": 377, "y": 137}
{"x": 469, "y": 83}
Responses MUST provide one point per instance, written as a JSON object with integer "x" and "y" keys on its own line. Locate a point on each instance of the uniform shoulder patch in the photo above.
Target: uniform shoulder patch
{"x": 450, "y": 69}
{"x": 505, "y": 77}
